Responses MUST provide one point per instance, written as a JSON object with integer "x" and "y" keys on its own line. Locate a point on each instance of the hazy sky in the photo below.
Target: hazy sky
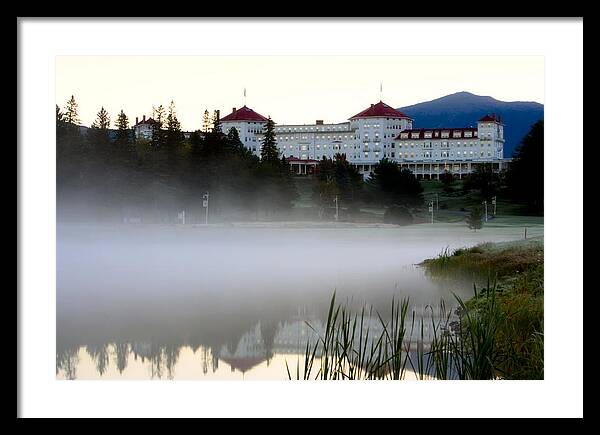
{"x": 290, "y": 89}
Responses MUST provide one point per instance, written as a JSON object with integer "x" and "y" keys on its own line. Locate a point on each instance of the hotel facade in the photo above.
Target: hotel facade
{"x": 378, "y": 132}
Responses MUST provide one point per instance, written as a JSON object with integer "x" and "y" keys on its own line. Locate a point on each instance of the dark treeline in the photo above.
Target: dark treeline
{"x": 397, "y": 190}
{"x": 103, "y": 174}
{"x": 523, "y": 181}
{"x": 109, "y": 174}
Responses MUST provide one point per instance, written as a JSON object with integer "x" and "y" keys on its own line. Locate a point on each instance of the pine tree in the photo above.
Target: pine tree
{"x": 216, "y": 122}
{"x": 60, "y": 124}
{"x": 525, "y": 176}
{"x": 99, "y": 129}
{"x": 158, "y": 115}
{"x": 174, "y": 135}
{"x": 71, "y": 115}
{"x": 475, "y": 219}
{"x": 123, "y": 132}
{"x": 394, "y": 186}
{"x": 234, "y": 137}
{"x": 59, "y": 115}
{"x": 205, "y": 122}
{"x": 268, "y": 151}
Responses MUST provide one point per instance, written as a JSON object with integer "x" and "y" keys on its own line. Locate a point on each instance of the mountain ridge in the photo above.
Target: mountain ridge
{"x": 463, "y": 109}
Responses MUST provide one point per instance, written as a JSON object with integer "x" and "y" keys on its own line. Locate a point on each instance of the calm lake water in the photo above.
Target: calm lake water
{"x": 158, "y": 302}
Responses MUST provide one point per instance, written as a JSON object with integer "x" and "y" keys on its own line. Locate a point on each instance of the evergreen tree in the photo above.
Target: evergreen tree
{"x": 123, "y": 130}
{"x": 158, "y": 115}
{"x": 99, "y": 130}
{"x": 71, "y": 115}
{"x": 475, "y": 219}
{"x": 216, "y": 122}
{"x": 483, "y": 179}
{"x": 59, "y": 115}
{"x": 174, "y": 134}
{"x": 234, "y": 138}
{"x": 206, "y": 122}
{"x": 268, "y": 151}
{"x": 447, "y": 179}
{"x": 348, "y": 179}
{"x": 390, "y": 185}
{"x": 525, "y": 176}
{"x": 60, "y": 124}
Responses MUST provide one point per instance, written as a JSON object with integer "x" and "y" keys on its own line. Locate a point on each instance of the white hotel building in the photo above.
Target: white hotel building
{"x": 378, "y": 132}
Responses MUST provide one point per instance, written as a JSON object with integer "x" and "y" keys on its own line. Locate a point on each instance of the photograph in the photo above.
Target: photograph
{"x": 377, "y": 241}
{"x": 210, "y": 211}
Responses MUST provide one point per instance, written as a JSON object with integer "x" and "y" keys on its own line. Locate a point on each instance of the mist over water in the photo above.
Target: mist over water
{"x": 228, "y": 292}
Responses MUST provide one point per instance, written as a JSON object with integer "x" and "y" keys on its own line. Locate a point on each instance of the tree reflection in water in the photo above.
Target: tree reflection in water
{"x": 67, "y": 360}
{"x": 99, "y": 354}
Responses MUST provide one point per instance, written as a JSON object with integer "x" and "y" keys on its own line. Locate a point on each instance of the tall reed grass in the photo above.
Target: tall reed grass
{"x": 497, "y": 334}
{"x": 431, "y": 345}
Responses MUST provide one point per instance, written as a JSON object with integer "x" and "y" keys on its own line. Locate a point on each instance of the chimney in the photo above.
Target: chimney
{"x": 136, "y": 120}
{"x": 372, "y": 105}
{"x": 319, "y": 122}
{"x": 144, "y": 118}
{"x": 233, "y": 110}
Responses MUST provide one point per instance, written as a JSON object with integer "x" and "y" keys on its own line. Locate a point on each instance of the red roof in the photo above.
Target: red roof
{"x": 380, "y": 110}
{"x": 244, "y": 114}
{"x": 436, "y": 133}
{"x": 488, "y": 118}
{"x": 146, "y": 121}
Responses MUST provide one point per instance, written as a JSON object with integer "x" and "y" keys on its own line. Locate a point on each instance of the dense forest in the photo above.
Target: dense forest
{"x": 105, "y": 174}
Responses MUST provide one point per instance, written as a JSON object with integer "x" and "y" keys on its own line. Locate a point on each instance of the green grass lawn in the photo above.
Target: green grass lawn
{"x": 449, "y": 207}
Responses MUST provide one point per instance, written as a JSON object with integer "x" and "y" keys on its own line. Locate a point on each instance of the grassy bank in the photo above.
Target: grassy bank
{"x": 513, "y": 299}
{"x": 497, "y": 334}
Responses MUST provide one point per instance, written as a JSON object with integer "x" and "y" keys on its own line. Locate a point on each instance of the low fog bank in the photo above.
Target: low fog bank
{"x": 213, "y": 283}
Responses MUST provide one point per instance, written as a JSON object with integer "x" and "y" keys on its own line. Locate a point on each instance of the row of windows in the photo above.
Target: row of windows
{"x": 445, "y": 134}
{"x": 442, "y": 145}
{"x": 316, "y": 137}
{"x": 466, "y": 154}
{"x": 313, "y": 128}
{"x": 307, "y": 147}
